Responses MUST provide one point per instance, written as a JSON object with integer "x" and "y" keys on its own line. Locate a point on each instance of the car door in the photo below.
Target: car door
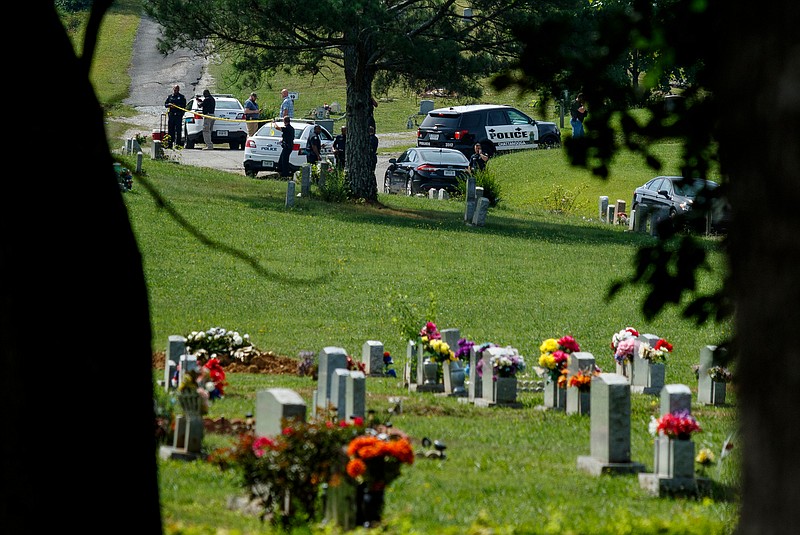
{"x": 510, "y": 129}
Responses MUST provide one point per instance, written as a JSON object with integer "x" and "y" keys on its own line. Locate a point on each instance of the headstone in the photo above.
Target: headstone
{"x": 324, "y": 170}
{"x": 186, "y": 363}
{"x": 611, "y": 214}
{"x": 189, "y": 428}
{"x": 305, "y": 181}
{"x": 707, "y": 390}
{"x": 446, "y": 378}
{"x": 273, "y": 406}
{"x": 646, "y": 377}
{"x": 409, "y": 380}
{"x": 290, "y": 187}
{"x": 139, "y": 157}
{"x": 176, "y": 346}
{"x": 425, "y": 106}
{"x": 432, "y": 193}
{"x": 641, "y": 215}
{"x": 632, "y": 220}
{"x": 478, "y": 193}
{"x": 621, "y": 207}
{"x": 673, "y": 464}
{"x": 330, "y": 359}
{"x": 443, "y": 195}
{"x": 487, "y": 380}
{"x": 372, "y": 357}
{"x": 578, "y": 361}
{"x": 657, "y": 217}
{"x": 355, "y": 398}
{"x": 338, "y": 393}
{"x": 475, "y": 390}
{"x": 469, "y": 210}
{"x": 610, "y": 427}
{"x": 451, "y": 337}
{"x": 479, "y": 219}
{"x": 603, "y": 205}
{"x": 157, "y": 151}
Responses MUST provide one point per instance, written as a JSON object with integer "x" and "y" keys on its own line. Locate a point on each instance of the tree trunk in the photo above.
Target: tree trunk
{"x": 75, "y": 318}
{"x": 359, "y": 109}
{"x": 759, "y": 113}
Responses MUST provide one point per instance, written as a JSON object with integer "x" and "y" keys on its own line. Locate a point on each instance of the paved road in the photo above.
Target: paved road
{"x": 152, "y": 77}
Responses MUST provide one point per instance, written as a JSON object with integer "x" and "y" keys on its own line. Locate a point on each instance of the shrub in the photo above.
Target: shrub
{"x": 336, "y": 187}
{"x": 563, "y": 201}
{"x": 486, "y": 179}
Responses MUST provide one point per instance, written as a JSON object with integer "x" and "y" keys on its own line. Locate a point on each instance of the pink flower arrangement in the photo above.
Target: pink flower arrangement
{"x": 624, "y": 344}
{"x": 555, "y": 356}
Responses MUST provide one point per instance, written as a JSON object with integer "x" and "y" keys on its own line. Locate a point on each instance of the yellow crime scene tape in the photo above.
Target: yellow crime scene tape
{"x": 222, "y": 118}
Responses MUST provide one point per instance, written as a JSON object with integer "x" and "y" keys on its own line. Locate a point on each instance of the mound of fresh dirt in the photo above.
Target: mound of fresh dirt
{"x": 262, "y": 362}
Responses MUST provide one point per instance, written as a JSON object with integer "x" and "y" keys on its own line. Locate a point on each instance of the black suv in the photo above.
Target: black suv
{"x": 499, "y": 129}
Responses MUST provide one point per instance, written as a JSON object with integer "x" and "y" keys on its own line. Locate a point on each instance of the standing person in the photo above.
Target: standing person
{"x": 175, "y": 103}
{"x": 578, "y": 114}
{"x": 287, "y": 142}
{"x": 207, "y": 106}
{"x": 287, "y": 105}
{"x": 314, "y": 146}
{"x": 251, "y": 113}
{"x": 373, "y": 148}
{"x": 339, "y": 143}
{"x": 477, "y": 162}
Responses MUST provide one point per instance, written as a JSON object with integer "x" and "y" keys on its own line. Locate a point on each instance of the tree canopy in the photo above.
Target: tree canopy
{"x": 414, "y": 44}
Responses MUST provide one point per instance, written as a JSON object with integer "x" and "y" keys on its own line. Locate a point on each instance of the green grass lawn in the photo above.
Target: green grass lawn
{"x": 321, "y": 274}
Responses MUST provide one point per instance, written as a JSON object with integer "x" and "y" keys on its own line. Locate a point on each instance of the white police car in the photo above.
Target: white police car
{"x": 262, "y": 150}
{"x": 229, "y": 126}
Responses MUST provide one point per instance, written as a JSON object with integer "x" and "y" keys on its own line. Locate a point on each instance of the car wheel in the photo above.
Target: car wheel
{"x": 233, "y": 145}
{"x": 487, "y": 147}
{"x": 410, "y": 187}
{"x": 386, "y": 183}
{"x": 550, "y": 142}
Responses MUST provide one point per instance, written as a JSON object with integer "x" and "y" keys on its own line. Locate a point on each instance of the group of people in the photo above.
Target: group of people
{"x": 176, "y": 107}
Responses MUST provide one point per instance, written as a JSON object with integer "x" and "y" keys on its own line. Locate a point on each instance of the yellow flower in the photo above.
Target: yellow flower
{"x": 547, "y": 360}
{"x": 705, "y": 456}
{"x": 549, "y": 345}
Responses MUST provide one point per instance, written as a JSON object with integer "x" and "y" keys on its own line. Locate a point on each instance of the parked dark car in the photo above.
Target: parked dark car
{"x": 499, "y": 130}
{"x": 679, "y": 195}
{"x": 420, "y": 169}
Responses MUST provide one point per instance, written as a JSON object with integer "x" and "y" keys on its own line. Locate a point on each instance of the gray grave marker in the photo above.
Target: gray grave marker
{"x": 576, "y": 400}
{"x": 610, "y": 424}
{"x": 479, "y": 219}
{"x": 338, "y": 395}
{"x": 647, "y": 377}
{"x": 176, "y": 346}
{"x": 673, "y": 464}
{"x": 273, "y": 405}
{"x": 355, "y": 398}
{"x": 290, "y": 187}
{"x": 372, "y": 357}
{"x": 329, "y": 359}
{"x": 603, "y": 206}
{"x": 708, "y": 391}
{"x": 443, "y": 195}
{"x": 305, "y": 181}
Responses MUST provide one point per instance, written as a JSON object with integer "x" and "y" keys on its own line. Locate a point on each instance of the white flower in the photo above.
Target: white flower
{"x": 652, "y": 427}
{"x": 237, "y": 340}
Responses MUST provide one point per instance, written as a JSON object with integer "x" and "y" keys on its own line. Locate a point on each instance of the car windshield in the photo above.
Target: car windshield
{"x": 441, "y": 120}
{"x": 690, "y": 189}
{"x": 227, "y": 105}
{"x": 444, "y": 157}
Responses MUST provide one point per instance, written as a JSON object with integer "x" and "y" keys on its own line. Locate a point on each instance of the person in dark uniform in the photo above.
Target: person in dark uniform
{"x": 285, "y": 168}
{"x": 175, "y": 103}
{"x": 314, "y": 146}
{"x": 339, "y": 144}
{"x": 477, "y": 162}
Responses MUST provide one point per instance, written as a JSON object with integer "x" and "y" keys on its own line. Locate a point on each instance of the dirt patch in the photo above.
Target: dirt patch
{"x": 265, "y": 362}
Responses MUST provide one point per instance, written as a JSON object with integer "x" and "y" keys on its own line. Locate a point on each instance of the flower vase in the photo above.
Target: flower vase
{"x": 457, "y": 378}
{"x": 430, "y": 372}
{"x": 624, "y": 369}
{"x": 718, "y": 393}
{"x": 369, "y": 506}
{"x": 505, "y": 390}
{"x": 554, "y": 397}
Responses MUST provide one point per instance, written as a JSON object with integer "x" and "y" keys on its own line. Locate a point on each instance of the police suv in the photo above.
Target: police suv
{"x": 498, "y": 128}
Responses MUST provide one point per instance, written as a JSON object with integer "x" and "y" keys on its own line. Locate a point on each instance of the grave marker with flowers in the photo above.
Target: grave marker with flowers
{"x": 554, "y": 360}
{"x": 623, "y": 343}
{"x": 673, "y": 464}
{"x": 648, "y": 364}
{"x": 433, "y": 351}
{"x": 712, "y": 376}
{"x": 581, "y": 369}
{"x": 499, "y": 387}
